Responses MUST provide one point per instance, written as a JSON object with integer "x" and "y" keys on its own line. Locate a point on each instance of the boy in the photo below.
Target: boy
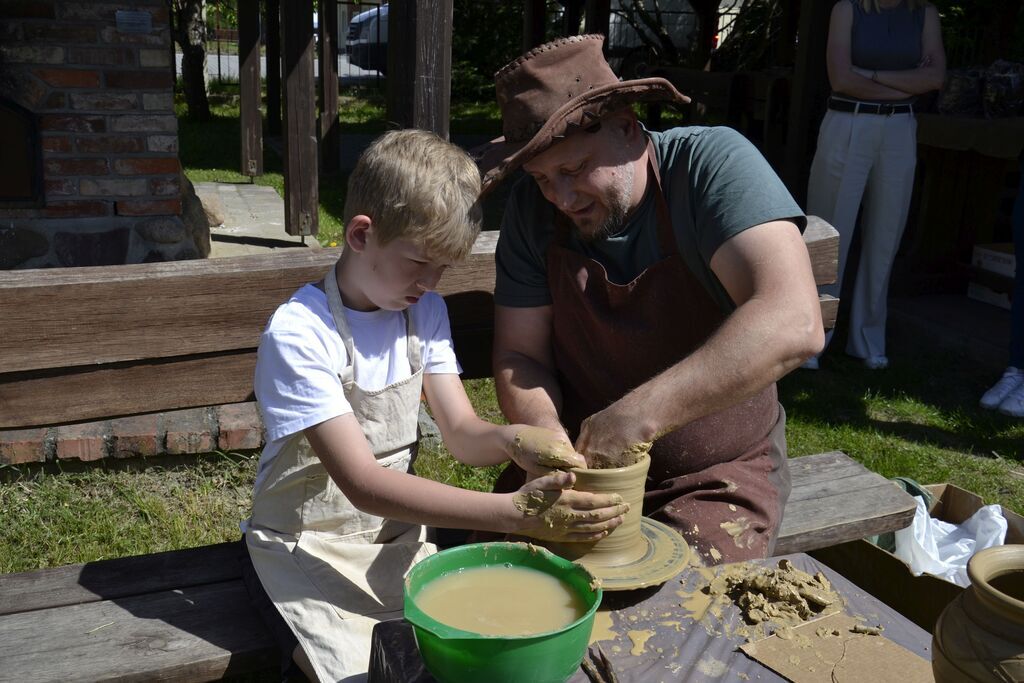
{"x": 338, "y": 514}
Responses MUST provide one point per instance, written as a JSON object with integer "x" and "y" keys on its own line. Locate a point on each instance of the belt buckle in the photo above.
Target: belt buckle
{"x": 887, "y": 108}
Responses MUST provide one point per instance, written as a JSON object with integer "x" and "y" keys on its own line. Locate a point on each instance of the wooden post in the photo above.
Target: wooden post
{"x": 571, "y": 17}
{"x": 807, "y": 100}
{"x": 330, "y": 152}
{"x": 249, "y": 86}
{"x": 419, "y": 64}
{"x": 273, "y": 67}
{"x": 598, "y": 18}
{"x": 534, "y": 20}
{"x": 301, "y": 177}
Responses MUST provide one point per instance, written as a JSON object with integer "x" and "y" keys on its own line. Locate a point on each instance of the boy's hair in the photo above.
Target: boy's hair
{"x": 414, "y": 185}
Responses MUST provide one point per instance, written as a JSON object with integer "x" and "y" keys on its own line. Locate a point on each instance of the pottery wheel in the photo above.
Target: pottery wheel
{"x": 665, "y": 556}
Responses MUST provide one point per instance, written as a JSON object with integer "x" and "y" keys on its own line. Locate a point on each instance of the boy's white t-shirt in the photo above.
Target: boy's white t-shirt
{"x": 301, "y": 355}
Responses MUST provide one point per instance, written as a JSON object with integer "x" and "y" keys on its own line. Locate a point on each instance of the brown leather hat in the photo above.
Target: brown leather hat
{"x": 553, "y": 90}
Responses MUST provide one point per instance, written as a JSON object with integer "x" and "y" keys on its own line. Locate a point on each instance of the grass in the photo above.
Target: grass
{"x": 918, "y": 419}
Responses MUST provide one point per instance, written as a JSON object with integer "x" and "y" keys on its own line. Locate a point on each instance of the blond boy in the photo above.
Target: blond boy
{"x": 338, "y": 515}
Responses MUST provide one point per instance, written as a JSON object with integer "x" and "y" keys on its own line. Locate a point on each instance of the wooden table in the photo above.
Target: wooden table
{"x": 680, "y": 648}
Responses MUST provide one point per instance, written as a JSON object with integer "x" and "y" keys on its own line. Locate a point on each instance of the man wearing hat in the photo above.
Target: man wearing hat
{"x": 650, "y": 287}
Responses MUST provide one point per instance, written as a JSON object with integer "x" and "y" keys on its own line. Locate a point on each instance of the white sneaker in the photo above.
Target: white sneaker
{"x": 1013, "y": 404}
{"x": 1011, "y": 379}
{"x": 810, "y": 364}
{"x": 876, "y": 363}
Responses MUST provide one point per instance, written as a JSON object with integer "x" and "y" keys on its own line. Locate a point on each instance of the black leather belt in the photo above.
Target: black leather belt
{"x": 869, "y": 107}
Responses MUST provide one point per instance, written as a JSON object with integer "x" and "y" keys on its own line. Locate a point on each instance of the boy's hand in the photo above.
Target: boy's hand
{"x": 552, "y": 511}
{"x": 538, "y": 450}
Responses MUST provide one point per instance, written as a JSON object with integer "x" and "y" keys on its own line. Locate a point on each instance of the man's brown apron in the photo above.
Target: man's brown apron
{"x": 721, "y": 480}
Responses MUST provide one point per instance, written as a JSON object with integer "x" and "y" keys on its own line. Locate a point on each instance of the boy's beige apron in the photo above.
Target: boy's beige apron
{"x": 332, "y": 570}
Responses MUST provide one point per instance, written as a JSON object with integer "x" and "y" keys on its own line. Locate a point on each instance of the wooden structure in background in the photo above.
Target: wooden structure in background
{"x": 272, "y": 17}
{"x": 327, "y": 88}
{"x": 420, "y": 64}
{"x": 301, "y": 176}
{"x": 251, "y": 122}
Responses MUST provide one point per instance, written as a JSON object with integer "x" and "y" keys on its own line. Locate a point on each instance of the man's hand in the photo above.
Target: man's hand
{"x": 550, "y": 510}
{"x": 615, "y": 436}
{"x": 538, "y": 450}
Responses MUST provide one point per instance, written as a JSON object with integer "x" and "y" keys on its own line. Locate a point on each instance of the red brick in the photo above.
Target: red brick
{"x": 28, "y": 9}
{"x": 147, "y": 165}
{"x": 110, "y": 34}
{"x": 240, "y": 427}
{"x": 51, "y": 32}
{"x": 135, "y": 436}
{"x": 76, "y": 209}
{"x": 69, "y": 78}
{"x": 104, "y": 101}
{"x": 110, "y": 144}
{"x": 63, "y": 187}
{"x": 188, "y": 431}
{"x": 75, "y": 123}
{"x": 19, "y": 446}
{"x": 113, "y": 186}
{"x": 56, "y": 100}
{"x": 90, "y": 166}
{"x": 82, "y": 441}
{"x": 56, "y": 143}
{"x": 164, "y": 187}
{"x": 139, "y": 80}
{"x": 156, "y": 207}
{"x": 101, "y": 56}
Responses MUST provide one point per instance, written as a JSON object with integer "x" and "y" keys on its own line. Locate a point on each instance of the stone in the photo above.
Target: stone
{"x": 162, "y": 230}
{"x": 18, "y": 245}
{"x": 196, "y": 220}
{"x": 106, "y": 248}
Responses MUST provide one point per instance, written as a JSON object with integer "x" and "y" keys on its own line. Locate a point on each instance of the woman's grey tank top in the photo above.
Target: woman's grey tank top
{"x": 887, "y": 40}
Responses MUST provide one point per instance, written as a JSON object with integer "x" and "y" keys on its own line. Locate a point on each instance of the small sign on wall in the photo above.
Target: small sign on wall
{"x": 129, "y": 21}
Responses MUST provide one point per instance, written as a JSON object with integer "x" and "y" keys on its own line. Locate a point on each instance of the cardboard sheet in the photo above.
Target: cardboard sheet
{"x": 828, "y": 650}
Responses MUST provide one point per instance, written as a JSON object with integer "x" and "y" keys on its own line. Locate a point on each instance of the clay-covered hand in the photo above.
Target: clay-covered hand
{"x": 538, "y": 450}
{"x": 551, "y": 511}
{"x": 613, "y": 437}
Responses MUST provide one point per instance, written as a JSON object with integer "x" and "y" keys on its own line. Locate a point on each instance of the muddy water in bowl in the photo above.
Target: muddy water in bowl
{"x": 501, "y": 601}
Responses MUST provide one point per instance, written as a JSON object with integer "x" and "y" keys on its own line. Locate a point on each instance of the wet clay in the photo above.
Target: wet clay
{"x": 640, "y": 552}
{"x": 554, "y": 454}
{"x": 501, "y": 601}
{"x": 783, "y": 596}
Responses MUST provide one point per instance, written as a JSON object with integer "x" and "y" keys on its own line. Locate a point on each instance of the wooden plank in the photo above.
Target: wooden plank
{"x": 199, "y": 633}
{"x": 819, "y": 522}
{"x": 829, "y": 310}
{"x": 327, "y": 87}
{"x": 865, "y": 481}
{"x": 273, "y": 16}
{"x": 249, "y": 87}
{"x": 65, "y": 317}
{"x": 810, "y": 472}
{"x": 822, "y": 242}
{"x": 598, "y": 15}
{"x": 126, "y": 389}
{"x": 301, "y": 178}
{"x": 119, "y": 578}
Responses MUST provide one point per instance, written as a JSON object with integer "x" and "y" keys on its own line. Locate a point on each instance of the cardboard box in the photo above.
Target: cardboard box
{"x": 995, "y": 258}
{"x": 919, "y": 598}
{"x": 979, "y": 292}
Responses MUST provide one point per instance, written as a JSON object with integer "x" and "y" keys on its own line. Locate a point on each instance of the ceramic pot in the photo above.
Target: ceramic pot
{"x": 624, "y": 544}
{"x": 980, "y": 635}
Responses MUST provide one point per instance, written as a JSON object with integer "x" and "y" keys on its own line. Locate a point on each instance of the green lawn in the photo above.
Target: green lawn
{"x": 918, "y": 419}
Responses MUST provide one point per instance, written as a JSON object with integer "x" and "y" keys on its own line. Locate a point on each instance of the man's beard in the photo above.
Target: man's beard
{"x": 617, "y": 203}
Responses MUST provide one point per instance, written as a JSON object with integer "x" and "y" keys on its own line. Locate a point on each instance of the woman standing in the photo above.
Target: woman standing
{"x": 881, "y": 55}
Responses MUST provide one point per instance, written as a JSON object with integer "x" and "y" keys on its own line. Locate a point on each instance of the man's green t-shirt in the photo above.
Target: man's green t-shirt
{"x": 716, "y": 185}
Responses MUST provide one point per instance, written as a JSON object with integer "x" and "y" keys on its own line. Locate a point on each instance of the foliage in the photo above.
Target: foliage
{"x": 750, "y": 42}
{"x": 486, "y": 35}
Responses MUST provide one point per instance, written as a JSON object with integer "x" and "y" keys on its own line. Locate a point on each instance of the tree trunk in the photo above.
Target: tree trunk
{"x": 190, "y": 33}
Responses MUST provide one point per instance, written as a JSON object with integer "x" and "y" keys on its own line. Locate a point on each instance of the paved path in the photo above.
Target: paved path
{"x": 253, "y": 220}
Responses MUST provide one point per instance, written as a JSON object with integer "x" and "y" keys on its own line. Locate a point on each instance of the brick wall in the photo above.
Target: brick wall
{"x": 101, "y": 93}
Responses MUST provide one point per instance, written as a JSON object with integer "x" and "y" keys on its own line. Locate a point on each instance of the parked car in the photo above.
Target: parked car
{"x": 367, "y": 40}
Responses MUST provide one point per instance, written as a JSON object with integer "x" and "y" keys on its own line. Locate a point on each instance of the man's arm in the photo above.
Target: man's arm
{"x": 775, "y": 327}
{"x": 524, "y": 367}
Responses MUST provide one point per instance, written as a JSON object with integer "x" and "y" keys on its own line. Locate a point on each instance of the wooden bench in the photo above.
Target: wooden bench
{"x": 81, "y": 344}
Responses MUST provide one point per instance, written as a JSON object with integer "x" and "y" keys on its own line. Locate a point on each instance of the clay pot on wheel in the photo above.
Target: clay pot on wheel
{"x": 980, "y": 635}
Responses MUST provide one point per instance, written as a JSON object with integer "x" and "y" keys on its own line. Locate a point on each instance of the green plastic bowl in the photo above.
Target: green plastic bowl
{"x": 456, "y": 656}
